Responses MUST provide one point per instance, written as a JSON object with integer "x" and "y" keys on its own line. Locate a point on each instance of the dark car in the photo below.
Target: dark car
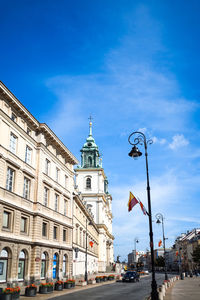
{"x": 131, "y": 276}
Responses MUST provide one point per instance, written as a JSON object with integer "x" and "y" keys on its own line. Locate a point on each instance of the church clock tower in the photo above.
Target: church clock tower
{"x": 92, "y": 182}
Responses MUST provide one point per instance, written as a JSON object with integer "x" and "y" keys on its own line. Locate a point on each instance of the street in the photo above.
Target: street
{"x": 116, "y": 291}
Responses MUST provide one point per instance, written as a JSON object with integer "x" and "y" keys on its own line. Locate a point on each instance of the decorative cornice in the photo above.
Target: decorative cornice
{"x": 40, "y": 127}
{"x": 44, "y": 128}
{"x": 103, "y": 226}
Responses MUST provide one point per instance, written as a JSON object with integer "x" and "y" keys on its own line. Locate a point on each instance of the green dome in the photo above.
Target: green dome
{"x": 90, "y": 152}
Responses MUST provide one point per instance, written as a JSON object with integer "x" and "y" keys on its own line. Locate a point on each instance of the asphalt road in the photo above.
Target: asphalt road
{"x": 116, "y": 291}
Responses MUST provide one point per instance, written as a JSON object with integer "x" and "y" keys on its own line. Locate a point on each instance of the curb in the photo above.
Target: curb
{"x": 163, "y": 288}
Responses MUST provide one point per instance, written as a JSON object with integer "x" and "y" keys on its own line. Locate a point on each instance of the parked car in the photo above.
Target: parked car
{"x": 131, "y": 276}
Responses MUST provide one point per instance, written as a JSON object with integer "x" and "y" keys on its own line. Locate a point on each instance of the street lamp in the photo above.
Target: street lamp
{"x": 86, "y": 250}
{"x": 141, "y": 139}
{"x": 160, "y": 220}
{"x": 136, "y": 241}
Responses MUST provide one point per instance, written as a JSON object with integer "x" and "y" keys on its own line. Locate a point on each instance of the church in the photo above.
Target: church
{"x": 92, "y": 183}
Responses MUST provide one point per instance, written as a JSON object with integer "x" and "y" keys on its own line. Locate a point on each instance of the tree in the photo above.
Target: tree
{"x": 160, "y": 261}
{"x": 196, "y": 255}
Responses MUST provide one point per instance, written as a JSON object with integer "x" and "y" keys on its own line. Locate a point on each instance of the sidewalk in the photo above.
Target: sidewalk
{"x": 189, "y": 288}
{"x": 65, "y": 291}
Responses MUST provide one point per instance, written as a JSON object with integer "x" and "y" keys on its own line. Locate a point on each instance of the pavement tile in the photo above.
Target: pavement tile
{"x": 189, "y": 288}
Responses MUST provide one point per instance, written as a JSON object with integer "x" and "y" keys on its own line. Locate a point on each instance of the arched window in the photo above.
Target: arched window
{"x": 21, "y": 265}
{"x": 3, "y": 265}
{"x": 44, "y": 265}
{"x": 65, "y": 265}
{"x": 88, "y": 183}
{"x": 55, "y": 266}
{"x": 90, "y": 161}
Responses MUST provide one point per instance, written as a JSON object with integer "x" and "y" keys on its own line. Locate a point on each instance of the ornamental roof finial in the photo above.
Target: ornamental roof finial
{"x": 90, "y": 124}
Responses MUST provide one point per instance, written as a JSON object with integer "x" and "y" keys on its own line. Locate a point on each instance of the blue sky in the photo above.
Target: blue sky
{"x": 133, "y": 65}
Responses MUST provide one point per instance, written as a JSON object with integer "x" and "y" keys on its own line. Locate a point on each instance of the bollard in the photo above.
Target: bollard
{"x": 160, "y": 293}
{"x": 163, "y": 288}
{"x": 182, "y": 276}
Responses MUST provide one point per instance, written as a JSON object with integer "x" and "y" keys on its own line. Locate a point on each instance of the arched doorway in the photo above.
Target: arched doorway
{"x": 21, "y": 265}
{"x": 44, "y": 262}
{"x": 3, "y": 265}
{"x": 55, "y": 265}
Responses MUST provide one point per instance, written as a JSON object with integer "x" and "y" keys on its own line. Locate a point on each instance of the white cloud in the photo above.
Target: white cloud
{"x": 178, "y": 141}
{"x": 160, "y": 141}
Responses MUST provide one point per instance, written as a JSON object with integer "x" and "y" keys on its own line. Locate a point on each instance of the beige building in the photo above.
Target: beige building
{"x": 85, "y": 239}
{"x": 36, "y": 197}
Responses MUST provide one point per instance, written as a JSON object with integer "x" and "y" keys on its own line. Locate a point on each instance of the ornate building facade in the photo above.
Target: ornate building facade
{"x": 85, "y": 239}
{"x": 93, "y": 185}
{"x": 36, "y": 197}
{"x": 50, "y": 227}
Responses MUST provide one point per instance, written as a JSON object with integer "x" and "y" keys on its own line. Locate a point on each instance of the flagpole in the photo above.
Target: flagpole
{"x": 141, "y": 139}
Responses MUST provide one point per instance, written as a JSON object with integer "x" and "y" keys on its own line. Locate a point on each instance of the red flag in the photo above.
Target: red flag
{"x": 143, "y": 208}
{"x": 132, "y": 201}
{"x": 159, "y": 243}
{"x": 91, "y": 244}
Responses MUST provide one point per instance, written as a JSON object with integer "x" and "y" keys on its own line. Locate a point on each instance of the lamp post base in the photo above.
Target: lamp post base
{"x": 86, "y": 276}
{"x": 154, "y": 292}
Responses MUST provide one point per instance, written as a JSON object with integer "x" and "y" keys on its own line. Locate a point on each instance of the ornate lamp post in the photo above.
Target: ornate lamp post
{"x": 160, "y": 219}
{"x": 86, "y": 250}
{"x": 136, "y": 241}
{"x": 141, "y": 139}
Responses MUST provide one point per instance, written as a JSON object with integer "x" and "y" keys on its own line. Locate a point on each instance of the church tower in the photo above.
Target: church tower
{"x": 93, "y": 185}
{"x": 90, "y": 152}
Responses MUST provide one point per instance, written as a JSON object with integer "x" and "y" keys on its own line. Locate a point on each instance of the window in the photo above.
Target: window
{"x": 10, "y": 179}
{"x": 88, "y": 183}
{"x": 13, "y": 117}
{"x": 66, "y": 181}
{"x": 6, "y": 219}
{"x": 55, "y": 232}
{"x": 21, "y": 265}
{"x": 4, "y": 265}
{"x": 46, "y": 196}
{"x": 47, "y": 166}
{"x": 80, "y": 236}
{"x": 43, "y": 265}
{"x": 28, "y": 131}
{"x": 57, "y": 174}
{"x": 44, "y": 229}
{"x": 64, "y": 235}
{"x": 23, "y": 227}
{"x": 76, "y": 234}
{"x": 65, "y": 207}
{"x": 65, "y": 265}
{"x": 56, "y": 202}
{"x": 90, "y": 161}
{"x": 26, "y": 192}
{"x": 28, "y": 155}
{"x": 55, "y": 265}
{"x": 13, "y": 143}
